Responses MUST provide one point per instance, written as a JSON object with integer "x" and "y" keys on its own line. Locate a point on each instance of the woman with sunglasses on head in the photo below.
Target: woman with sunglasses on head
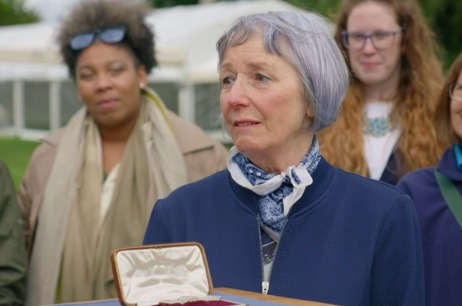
{"x": 89, "y": 187}
{"x": 385, "y": 128}
{"x": 437, "y": 194}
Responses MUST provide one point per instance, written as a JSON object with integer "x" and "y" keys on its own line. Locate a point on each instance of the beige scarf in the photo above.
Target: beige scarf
{"x": 72, "y": 247}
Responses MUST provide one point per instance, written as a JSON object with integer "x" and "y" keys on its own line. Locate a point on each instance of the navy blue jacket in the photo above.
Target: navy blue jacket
{"x": 349, "y": 240}
{"x": 441, "y": 234}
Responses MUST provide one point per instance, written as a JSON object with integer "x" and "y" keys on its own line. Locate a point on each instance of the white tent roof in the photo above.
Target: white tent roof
{"x": 185, "y": 38}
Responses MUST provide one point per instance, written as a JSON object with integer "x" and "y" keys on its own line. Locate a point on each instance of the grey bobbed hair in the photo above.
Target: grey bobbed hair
{"x": 305, "y": 40}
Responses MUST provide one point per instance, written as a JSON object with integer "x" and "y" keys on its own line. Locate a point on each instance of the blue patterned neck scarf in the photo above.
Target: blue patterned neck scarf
{"x": 278, "y": 192}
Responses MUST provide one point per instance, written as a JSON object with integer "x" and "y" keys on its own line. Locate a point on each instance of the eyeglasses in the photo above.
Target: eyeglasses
{"x": 108, "y": 35}
{"x": 455, "y": 92}
{"x": 380, "y": 39}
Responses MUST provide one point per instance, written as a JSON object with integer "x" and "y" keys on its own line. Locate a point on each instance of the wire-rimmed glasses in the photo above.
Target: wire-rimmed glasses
{"x": 455, "y": 92}
{"x": 380, "y": 39}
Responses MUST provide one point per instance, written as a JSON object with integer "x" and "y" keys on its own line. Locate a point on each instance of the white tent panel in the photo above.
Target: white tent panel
{"x": 185, "y": 39}
{"x": 197, "y": 29}
{"x": 184, "y": 35}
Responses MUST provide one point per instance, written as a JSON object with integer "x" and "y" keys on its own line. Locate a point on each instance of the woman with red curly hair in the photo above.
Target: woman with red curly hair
{"x": 385, "y": 128}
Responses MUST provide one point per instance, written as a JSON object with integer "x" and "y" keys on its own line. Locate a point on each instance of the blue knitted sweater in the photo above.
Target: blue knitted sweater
{"x": 348, "y": 240}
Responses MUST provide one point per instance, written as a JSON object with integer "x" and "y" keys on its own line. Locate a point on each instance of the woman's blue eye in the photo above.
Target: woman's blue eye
{"x": 226, "y": 81}
{"x": 381, "y": 35}
{"x": 262, "y": 78}
{"x": 356, "y": 36}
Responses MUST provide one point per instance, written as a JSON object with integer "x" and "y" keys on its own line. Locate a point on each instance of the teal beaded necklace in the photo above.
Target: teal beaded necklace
{"x": 377, "y": 126}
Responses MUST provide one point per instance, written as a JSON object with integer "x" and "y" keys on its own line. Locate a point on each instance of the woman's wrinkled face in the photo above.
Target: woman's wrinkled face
{"x": 371, "y": 65}
{"x": 262, "y": 102}
{"x": 456, "y": 107}
{"x": 108, "y": 82}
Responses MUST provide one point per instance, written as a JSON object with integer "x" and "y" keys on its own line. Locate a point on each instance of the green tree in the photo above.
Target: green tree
{"x": 326, "y": 8}
{"x": 14, "y": 12}
{"x": 169, "y": 3}
{"x": 445, "y": 18}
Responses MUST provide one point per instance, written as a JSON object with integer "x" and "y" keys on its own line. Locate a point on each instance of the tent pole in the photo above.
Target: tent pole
{"x": 55, "y": 105}
{"x": 186, "y": 102}
{"x": 18, "y": 107}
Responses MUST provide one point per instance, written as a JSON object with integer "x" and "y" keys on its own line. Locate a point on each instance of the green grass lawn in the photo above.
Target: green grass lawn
{"x": 15, "y": 153}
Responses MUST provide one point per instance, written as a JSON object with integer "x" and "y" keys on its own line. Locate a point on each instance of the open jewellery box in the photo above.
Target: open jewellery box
{"x": 164, "y": 274}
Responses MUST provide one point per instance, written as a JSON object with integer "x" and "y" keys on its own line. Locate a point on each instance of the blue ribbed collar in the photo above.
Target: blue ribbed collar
{"x": 458, "y": 153}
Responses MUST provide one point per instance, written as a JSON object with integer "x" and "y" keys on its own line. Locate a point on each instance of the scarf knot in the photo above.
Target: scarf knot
{"x": 277, "y": 192}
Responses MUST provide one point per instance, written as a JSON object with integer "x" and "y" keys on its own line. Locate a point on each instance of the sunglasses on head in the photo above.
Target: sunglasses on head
{"x": 109, "y": 35}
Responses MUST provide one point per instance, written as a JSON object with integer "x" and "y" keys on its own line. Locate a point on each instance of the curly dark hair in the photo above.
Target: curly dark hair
{"x": 90, "y": 15}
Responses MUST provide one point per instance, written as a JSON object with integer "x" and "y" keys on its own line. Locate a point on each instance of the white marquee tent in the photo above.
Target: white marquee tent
{"x": 185, "y": 38}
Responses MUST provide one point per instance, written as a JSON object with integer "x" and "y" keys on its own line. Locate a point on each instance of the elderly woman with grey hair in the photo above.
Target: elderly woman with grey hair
{"x": 281, "y": 220}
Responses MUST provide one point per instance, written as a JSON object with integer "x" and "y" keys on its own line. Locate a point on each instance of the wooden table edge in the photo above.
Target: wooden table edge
{"x": 270, "y": 298}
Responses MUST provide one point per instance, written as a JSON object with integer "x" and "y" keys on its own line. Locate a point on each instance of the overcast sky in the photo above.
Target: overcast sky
{"x": 50, "y": 9}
